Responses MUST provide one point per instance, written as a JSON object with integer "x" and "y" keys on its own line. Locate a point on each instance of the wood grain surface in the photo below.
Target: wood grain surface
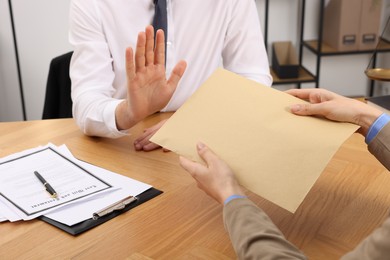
{"x": 350, "y": 199}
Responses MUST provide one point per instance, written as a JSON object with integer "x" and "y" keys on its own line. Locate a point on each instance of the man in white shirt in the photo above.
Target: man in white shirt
{"x": 204, "y": 33}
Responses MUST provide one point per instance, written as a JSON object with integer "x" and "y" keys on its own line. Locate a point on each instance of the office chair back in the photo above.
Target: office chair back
{"x": 58, "y": 102}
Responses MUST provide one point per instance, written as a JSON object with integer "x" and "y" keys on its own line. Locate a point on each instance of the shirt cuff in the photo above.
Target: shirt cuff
{"x": 109, "y": 120}
{"x": 232, "y": 197}
{"x": 375, "y": 128}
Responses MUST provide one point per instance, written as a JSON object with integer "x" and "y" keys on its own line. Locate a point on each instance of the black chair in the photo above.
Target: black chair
{"x": 58, "y": 102}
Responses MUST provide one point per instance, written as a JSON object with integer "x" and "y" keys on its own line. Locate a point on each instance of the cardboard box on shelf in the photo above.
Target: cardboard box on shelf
{"x": 369, "y": 24}
{"x": 341, "y": 24}
{"x": 284, "y": 60}
{"x": 351, "y": 25}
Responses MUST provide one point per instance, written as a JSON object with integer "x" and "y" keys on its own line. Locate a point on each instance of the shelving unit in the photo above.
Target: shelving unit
{"x": 305, "y": 76}
{"x": 325, "y": 50}
{"x": 320, "y": 50}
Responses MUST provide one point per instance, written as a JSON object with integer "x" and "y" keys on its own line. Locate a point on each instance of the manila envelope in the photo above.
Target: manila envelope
{"x": 274, "y": 153}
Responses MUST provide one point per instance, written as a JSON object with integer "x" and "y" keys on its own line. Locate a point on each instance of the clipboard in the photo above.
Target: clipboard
{"x": 91, "y": 223}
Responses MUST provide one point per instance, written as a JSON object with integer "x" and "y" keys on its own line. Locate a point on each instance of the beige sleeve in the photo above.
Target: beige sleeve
{"x": 380, "y": 146}
{"x": 375, "y": 246}
{"x": 254, "y": 235}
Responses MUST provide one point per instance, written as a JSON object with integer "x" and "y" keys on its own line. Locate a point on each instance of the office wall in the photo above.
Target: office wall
{"x": 10, "y": 103}
{"x": 42, "y": 30}
{"x": 42, "y": 33}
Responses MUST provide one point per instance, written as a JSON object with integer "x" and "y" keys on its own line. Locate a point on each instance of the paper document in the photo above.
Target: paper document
{"x": 82, "y": 188}
{"x": 2, "y": 217}
{"x": 274, "y": 153}
{"x": 79, "y": 212}
{"x": 26, "y": 195}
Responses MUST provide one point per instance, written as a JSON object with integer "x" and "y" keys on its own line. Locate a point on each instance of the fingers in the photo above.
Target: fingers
{"x": 130, "y": 68}
{"x": 312, "y": 95}
{"x": 317, "y": 99}
{"x": 216, "y": 178}
{"x": 143, "y": 143}
{"x": 150, "y": 147}
{"x": 176, "y": 74}
{"x": 187, "y": 164}
{"x": 140, "y": 60}
{"x": 304, "y": 109}
{"x": 149, "y": 31}
{"x": 193, "y": 168}
{"x": 144, "y": 54}
{"x": 205, "y": 153}
{"x": 299, "y": 93}
{"x": 159, "y": 52}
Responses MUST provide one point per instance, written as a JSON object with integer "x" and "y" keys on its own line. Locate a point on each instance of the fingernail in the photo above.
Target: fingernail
{"x": 200, "y": 145}
{"x": 295, "y": 108}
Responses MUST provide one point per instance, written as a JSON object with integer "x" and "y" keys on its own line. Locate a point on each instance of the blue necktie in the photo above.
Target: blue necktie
{"x": 160, "y": 19}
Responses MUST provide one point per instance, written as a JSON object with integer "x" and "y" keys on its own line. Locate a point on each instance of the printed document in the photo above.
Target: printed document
{"x": 82, "y": 188}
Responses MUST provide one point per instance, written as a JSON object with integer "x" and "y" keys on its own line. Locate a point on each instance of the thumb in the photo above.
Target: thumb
{"x": 177, "y": 73}
{"x": 205, "y": 153}
{"x": 187, "y": 164}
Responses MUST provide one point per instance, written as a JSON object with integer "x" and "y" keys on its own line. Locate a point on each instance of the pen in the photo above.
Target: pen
{"x": 49, "y": 188}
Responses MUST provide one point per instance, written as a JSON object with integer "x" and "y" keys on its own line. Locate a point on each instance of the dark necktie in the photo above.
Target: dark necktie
{"x": 160, "y": 19}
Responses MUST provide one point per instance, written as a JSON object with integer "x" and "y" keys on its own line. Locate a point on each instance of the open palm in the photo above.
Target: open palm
{"x": 147, "y": 87}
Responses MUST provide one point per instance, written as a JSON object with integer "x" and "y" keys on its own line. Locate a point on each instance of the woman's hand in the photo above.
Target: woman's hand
{"x": 334, "y": 107}
{"x": 215, "y": 178}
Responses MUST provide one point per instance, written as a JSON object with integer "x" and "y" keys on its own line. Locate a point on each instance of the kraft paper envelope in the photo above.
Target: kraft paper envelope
{"x": 274, "y": 153}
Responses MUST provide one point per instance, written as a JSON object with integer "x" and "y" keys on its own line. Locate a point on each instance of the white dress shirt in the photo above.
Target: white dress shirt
{"x": 205, "y": 33}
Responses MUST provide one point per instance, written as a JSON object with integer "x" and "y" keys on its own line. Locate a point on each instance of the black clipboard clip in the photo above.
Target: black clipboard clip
{"x": 116, "y": 206}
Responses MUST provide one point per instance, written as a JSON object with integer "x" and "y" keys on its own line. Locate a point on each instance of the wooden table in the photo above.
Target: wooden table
{"x": 349, "y": 200}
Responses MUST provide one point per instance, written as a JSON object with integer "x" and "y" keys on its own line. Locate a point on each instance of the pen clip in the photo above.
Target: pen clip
{"x": 116, "y": 206}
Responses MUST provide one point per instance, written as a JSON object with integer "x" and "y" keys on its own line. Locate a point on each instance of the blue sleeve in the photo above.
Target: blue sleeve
{"x": 374, "y": 129}
{"x": 232, "y": 197}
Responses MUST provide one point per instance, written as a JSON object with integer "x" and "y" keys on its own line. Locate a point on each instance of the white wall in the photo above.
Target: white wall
{"x": 42, "y": 34}
{"x": 10, "y": 103}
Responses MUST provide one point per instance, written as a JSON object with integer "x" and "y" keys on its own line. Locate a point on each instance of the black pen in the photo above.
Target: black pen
{"x": 49, "y": 188}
